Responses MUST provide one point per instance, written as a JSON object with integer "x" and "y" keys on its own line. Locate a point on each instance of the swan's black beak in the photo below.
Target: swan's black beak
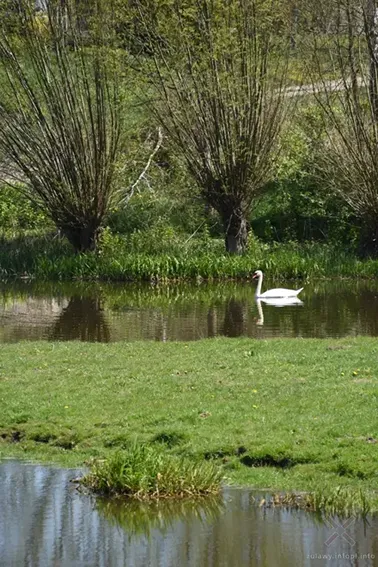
{"x": 254, "y": 276}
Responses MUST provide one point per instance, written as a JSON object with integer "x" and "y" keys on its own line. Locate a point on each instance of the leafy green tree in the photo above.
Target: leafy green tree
{"x": 60, "y": 115}
{"x": 219, "y": 72}
{"x": 350, "y": 108}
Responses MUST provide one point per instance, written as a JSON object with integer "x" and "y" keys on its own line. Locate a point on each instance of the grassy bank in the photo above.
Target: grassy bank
{"x": 119, "y": 258}
{"x": 279, "y": 414}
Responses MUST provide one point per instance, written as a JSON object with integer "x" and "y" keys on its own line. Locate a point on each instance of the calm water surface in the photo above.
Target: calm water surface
{"x": 44, "y": 521}
{"x": 183, "y": 312}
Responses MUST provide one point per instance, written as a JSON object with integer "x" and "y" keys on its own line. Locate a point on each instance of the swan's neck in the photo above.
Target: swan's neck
{"x": 260, "y": 320}
{"x": 259, "y": 284}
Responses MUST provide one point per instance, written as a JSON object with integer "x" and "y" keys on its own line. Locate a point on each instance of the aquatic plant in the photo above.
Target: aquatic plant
{"x": 330, "y": 501}
{"x": 142, "y": 472}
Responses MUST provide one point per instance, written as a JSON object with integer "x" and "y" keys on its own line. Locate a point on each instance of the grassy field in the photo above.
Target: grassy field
{"x": 278, "y": 414}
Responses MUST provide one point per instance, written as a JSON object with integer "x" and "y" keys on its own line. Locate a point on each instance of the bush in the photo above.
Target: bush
{"x": 298, "y": 205}
{"x": 19, "y": 213}
{"x": 179, "y": 208}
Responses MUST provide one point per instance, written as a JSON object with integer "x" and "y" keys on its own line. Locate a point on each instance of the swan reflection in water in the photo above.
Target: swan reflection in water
{"x": 276, "y": 302}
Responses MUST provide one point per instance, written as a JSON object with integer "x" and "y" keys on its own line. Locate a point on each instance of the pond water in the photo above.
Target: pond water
{"x": 44, "y": 520}
{"x": 183, "y": 312}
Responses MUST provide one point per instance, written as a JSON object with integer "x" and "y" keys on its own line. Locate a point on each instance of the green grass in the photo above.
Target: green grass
{"x": 145, "y": 472}
{"x": 48, "y": 258}
{"x": 294, "y": 415}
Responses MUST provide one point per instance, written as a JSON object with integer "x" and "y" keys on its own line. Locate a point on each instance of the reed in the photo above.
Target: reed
{"x": 49, "y": 257}
{"x": 331, "y": 501}
{"x": 143, "y": 472}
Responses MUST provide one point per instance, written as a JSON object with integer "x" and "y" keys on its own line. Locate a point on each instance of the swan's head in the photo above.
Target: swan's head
{"x": 257, "y": 274}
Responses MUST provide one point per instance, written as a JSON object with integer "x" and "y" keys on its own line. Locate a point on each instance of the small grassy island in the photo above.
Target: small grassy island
{"x": 290, "y": 415}
{"x": 144, "y": 472}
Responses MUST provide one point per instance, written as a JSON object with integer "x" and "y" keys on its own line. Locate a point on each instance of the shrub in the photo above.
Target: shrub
{"x": 19, "y": 213}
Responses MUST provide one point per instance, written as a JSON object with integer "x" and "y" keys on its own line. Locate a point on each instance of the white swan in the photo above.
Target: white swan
{"x": 278, "y": 292}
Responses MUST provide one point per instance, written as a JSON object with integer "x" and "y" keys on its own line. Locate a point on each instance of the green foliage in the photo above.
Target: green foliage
{"x": 165, "y": 231}
{"x": 122, "y": 258}
{"x": 146, "y": 210}
{"x": 60, "y": 114}
{"x": 164, "y": 196}
{"x": 18, "y": 213}
{"x": 144, "y": 472}
{"x": 298, "y": 205}
{"x": 8, "y": 16}
{"x": 220, "y": 71}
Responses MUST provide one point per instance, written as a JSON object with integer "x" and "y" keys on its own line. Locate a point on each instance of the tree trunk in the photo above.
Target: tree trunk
{"x": 82, "y": 238}
{"x": 236, "y": 231}
{"x": 368, "y": 247}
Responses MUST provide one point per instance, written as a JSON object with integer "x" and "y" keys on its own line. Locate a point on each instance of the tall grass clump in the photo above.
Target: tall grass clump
{"x": 143, "y": 472}
{"x": 342, "y": 501}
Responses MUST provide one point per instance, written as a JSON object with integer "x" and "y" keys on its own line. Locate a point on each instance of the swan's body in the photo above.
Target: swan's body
{"x": 273, "y": 293}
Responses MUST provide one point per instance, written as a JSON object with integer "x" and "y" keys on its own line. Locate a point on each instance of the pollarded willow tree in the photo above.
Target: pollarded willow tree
{"x": 349, "y": 99}
{"x": 60, "y": 114}
{"x": 220, "y": 71}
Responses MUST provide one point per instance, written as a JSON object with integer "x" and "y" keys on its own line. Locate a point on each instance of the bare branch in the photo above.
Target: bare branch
{"x": 60, "y": 115}
{"x": 130, "y": 192}
{"x": 351, "y": 112}
{"x": 221, "y": 69}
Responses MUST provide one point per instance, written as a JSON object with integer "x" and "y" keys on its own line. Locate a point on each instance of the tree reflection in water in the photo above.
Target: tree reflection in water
{"x": 235, "y": 318}
{"x": 44, "y": 520}
{"x": 83, "y": 319}
{"x": 185, "y": 312}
